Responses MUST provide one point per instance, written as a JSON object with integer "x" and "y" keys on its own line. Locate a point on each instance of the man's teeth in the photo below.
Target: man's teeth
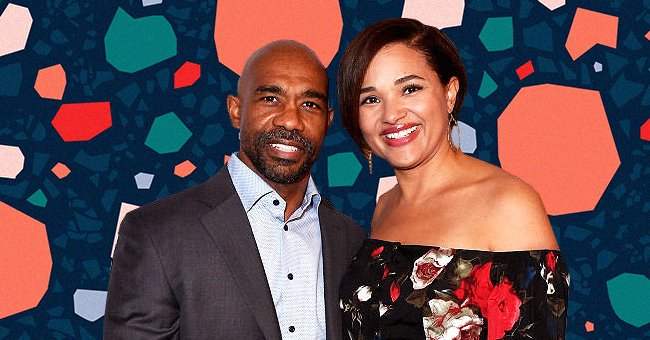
{"x": 285, "y": 148}
{"x": 401, "y": 134}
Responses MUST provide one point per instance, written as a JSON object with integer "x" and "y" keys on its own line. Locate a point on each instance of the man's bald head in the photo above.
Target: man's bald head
{"x": 276, "y": 49}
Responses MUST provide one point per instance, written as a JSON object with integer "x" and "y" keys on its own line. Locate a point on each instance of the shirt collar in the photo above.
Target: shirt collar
{"x": 251, "y": 187}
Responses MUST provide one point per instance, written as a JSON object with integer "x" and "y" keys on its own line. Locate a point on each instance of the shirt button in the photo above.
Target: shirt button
{"x": 286, "y": 227}
{"x": 290, "y": 276}
{"x": 292, "y": 329}
{"x": 276, "y": 202}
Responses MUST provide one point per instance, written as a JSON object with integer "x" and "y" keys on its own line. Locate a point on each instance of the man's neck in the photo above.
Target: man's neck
{"x": 291, "y": 193}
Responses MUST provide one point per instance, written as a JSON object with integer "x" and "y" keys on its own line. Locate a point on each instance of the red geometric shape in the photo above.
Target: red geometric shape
{"x": 589, "y": 326}
{"x": 525, "y": 70}
{"x": 645, "y": 130}
{"x": 184, "y": 169}
{"x": 243, "y": 26}
{"x": 588, "y": 29}
{"x": 61, "y": 170}
{"x": 187, "y": 75}
{"x": 25, "y": 261}
{"x": 558, "y": 139}
{"x": 50, "y": 82}
{"x": 82, "y": 121}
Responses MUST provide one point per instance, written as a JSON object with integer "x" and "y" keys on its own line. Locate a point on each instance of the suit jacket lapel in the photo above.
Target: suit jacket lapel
{"x": 334, "y": 263}
{"x": 228, "y": 226}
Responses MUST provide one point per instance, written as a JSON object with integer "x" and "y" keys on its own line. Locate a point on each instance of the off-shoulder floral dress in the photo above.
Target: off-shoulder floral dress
{"x": 395, "y": 291}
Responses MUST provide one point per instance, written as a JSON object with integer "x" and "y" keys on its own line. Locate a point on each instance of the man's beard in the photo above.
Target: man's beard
{"x": 276, "y": 169}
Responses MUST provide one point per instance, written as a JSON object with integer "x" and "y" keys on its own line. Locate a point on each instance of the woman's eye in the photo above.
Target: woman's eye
{"x": 412, "y": 88}
{"x": 370, "y": 100}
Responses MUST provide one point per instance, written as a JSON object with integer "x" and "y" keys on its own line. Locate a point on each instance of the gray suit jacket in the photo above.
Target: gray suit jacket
{"x": 187, "y": 266}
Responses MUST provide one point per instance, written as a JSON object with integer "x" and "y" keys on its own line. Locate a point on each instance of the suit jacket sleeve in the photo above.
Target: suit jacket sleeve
{"x": 140, "y": 303}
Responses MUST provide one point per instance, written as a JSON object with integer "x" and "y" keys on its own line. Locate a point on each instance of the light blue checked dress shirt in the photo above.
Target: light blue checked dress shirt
{"x": 291, "y": 251}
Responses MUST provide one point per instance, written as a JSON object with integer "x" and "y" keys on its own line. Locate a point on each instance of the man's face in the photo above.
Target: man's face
{"x": 282, "y": 114}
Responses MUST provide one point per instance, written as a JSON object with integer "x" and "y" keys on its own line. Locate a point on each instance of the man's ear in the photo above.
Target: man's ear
{"x": 233, "y": 103}
{"x": 330, "y": 117}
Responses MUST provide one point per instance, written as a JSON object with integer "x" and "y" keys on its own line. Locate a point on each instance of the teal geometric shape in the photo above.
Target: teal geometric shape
{"x": 135, "y": 44}
{"x": 488, "y": 85}
{"x": 38, "y": 199}
{"x": 629, "y": 295}
{"x": 167, "y": 134}
{"x": 497, "y": 34}
{"x": 342, "y": 169}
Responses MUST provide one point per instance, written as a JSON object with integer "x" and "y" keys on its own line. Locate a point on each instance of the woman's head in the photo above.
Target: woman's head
{"x": 435, "y": 47}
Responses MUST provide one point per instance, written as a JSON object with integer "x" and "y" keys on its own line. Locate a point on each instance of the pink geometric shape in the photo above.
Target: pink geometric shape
{"x": 184, "y": 169}
{"x": 61, "y": 170}
{"x": 589, "y": 326}
{"x": 82, "y": 121}
{"x": 50, "y": 82}
{"x": 588, "y": 29}
{"x": 243, "y": 26}
{"x": 15, "y": 24}
{"x": 645, "y": 130}
{"x": 647, "y": 35}
{"x": 12, "y": 161}
{"x": 385, "y": 184}
{"x": 187, "y": 75}
{"x": 125, "y": 208}
{"x": 25, "y": 261}
{"x": 525, "y": 70}
{"x": 436, "y": 13}
{"x": 553, "y": 4}
{"x": 558, "y": 139}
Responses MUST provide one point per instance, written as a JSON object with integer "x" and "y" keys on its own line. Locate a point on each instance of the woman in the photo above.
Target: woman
{"x": 459, "y": 248}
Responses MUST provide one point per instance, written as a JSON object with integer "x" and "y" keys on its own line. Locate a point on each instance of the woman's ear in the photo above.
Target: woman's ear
{"x": 452, "y": 91}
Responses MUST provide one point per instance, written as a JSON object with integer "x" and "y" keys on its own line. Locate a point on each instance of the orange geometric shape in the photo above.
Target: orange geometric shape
{"x": 61, "y": 170}
{"x": 183, "y": 170}
{"x": 525, "y": 70}
{"x": 558, "y": 139}
{"x": 647, "y": 35}
{"x": 25, "y": 261}
{"x": 50, "y": 82}
{"x": 82, "y": 121}
{"x": 187, "y": 75}
{"x": 589, "y": 326}
{"x": 225, "y": 159}
{"x": 645, "y": 130}
{"x": 243, "y": 26}
{"x": 588, "y": 29}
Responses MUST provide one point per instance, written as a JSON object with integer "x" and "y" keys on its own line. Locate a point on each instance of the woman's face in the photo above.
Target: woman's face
{"x": 403, "y": 107}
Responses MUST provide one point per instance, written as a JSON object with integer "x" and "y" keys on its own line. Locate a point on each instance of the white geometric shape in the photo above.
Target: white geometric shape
{"x": 436, "y": 13}
{"x": 125, "y": 208}
{"x": 89, "y": 304}
{"x": 12, "y": 161}
{"x": 598, "y": 67}
{"x": 15, "y": 24}
{"x": 552, "y": 4}
{"x": 143, "y": 180}
{"x": 385, "y": 184}
{"x": 146, "y": 3}
{"x": 467, "y": 137}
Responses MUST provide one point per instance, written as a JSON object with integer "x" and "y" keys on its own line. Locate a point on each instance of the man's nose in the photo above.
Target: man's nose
{"x": 290, "y": 117}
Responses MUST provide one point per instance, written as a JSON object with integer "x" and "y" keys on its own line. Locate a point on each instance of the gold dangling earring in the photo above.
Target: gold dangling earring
{"x": 369, "y": 157}
{"x": 453, "y": 122}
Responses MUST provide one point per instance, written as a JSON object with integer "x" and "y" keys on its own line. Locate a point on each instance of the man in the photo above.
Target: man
{"x": 255, "y": 252}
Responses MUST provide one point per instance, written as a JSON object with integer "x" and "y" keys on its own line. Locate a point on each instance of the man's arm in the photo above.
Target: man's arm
{"x": 140, "y": 303}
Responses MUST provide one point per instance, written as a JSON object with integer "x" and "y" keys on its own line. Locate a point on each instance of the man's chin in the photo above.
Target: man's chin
{"x": 285, "y": 172}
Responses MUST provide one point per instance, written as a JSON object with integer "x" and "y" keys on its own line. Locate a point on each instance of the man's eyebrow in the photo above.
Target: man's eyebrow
{"x": 269, "y": 88}
{"x": 315, "y": 94}
{"x": 407, "y": 78}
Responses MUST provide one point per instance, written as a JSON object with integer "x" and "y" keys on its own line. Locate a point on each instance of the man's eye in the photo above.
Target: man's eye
{"x": 412, "y": 88}
{"x": 269, "y": 99}
{"x": 311, "y": 105}
{"x": 370, "y": 100}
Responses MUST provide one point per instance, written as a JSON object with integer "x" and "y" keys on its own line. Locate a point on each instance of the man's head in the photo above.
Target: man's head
{"x": 281, "y": 110}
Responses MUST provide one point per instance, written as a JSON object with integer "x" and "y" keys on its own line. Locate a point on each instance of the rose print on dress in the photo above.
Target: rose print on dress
{"x": 448, "y": 321}
{"x": 428, "y": 267}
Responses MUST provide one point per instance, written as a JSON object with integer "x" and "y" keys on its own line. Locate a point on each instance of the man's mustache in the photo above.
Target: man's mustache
{"x": 282, "y": 133}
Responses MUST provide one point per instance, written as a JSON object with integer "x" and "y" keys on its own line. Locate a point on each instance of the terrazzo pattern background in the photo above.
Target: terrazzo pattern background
{"x": 109, "y": 105}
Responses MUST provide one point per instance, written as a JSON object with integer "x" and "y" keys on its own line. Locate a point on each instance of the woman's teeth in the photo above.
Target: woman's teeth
{"x": 401, "y": 134}
{"x": 285, "y": 148}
